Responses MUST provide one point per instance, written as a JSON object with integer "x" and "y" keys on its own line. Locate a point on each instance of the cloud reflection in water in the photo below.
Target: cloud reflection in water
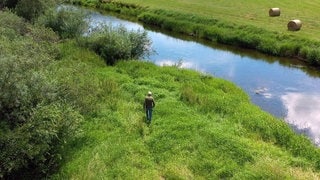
{"x": 180, "y": 64}
{"x": 304, "y": 113}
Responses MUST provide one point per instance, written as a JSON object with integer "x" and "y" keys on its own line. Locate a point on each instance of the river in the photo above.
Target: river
{"x": 283, "y": 87}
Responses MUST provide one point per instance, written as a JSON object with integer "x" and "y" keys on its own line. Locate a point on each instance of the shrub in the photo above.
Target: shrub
{"x": 32, "y": 9}
{"x": 11, "y": 22}
{"x": 34, "y": 146}
{"x": 21, "y": 82}
{"x": 35, "y": 120}
{"x": 117, "y": 43}
{"x": 43, "y": 34}
{"x": 67, "y": 22}
{"x": 23, "y": 87}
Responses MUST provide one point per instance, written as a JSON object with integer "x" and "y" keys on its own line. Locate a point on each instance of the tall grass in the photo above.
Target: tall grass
{"x": 203, "y": 128}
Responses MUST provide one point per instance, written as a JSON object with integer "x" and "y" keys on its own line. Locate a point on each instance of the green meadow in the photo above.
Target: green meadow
{"x": 248, "y": 12}
{"x": 71, "y": 107}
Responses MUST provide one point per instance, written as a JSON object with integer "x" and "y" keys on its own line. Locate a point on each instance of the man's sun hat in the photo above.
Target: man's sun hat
{"x": 149, "y": 93}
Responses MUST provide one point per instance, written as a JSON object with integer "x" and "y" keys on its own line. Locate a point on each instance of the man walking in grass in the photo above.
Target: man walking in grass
{"x": 148, "y": 105}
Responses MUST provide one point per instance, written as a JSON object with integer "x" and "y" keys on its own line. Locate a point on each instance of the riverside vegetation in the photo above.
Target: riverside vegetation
{"x": 239, "y": 23}
{"x": 71, "y": 108}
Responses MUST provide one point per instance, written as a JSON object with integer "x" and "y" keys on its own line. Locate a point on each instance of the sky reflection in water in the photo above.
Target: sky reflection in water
{"x": 285, "y": 92}
{"x": 304, "y": 113}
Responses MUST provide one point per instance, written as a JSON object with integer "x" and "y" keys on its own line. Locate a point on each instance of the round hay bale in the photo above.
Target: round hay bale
{"x": 294, "y": 25}
{"x": 274, "y": 12}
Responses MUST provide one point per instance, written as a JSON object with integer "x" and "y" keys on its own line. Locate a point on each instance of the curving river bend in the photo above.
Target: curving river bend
{"x": 283, "y": 87}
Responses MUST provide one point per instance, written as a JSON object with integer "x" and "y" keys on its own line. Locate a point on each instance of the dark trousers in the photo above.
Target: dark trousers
{"x": 149, "y": 113}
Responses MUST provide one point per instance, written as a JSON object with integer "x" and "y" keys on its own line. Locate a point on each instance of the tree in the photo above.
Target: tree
{"x": 67, "y": 22}
{"x": 8, "y": 3}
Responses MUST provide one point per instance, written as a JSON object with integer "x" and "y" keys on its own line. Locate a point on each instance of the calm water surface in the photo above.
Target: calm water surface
{"x": 290, "y": 92}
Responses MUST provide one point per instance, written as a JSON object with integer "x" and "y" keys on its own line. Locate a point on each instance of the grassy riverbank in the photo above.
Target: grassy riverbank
{"x": 239, "y": 23}
{"x": 203, "y": 127}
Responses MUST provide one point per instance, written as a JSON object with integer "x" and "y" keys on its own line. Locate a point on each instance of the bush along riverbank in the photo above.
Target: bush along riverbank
{"x": 38, "y": 113}
{"x": 245, "y": 36}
